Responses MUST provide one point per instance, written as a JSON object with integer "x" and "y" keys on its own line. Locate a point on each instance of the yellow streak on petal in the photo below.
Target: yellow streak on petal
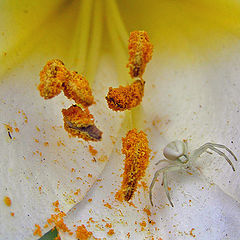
{"x": 185, "y": 28}
{"x": 95, "y": 41}
{"x": 79, "y": 46}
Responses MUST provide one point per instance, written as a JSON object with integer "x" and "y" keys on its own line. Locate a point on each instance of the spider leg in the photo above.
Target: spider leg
{"x": 157, "y": 173}
{"x": 163, "y": 160}
{"x": 165, "y": 184}
{"x": 224, "y": 147}
{"x": 160, "y": 161}
{"x": 213, "y": 146}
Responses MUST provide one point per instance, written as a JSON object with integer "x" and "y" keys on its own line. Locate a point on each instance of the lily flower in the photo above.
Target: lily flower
{"x": 191, "y": 92}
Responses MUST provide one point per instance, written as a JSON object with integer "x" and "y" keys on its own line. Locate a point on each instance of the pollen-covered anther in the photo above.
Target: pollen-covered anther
{"x": 52, "y": 77}
{"x": 125, "y": 98}
{"x": 55, "y": 78}
{"x": 140, "y": 53}
{"x": 78, "y": 89}
{"x": 137, "y": 153}
{"x": 80, "y": 123}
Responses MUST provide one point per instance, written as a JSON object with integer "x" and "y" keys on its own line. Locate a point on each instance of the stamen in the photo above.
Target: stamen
{"x": 80, "y": 123}
{"x": 52, "y": 77}
{"x": 78, "y": 89}
{"x": 55, "y": 77}
{"x": 95, "y": 44}
{"x": 135, "y": 147}
{"x": 123, "y": 98}
{"x": 117, "y": 19}
{"x": 140, "y": 53}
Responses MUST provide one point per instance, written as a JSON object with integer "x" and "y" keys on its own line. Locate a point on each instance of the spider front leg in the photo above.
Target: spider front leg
{"x": 213, "y": 147}
{"x": 164, "y": 170}
{"x": 165, "y": 184}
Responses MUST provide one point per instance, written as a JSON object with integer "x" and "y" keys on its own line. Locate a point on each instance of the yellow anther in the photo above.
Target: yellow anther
{"x": 140, "y": 53}
{"x": 55, "y": 77}
{"x": 135, "y": 147}
{"x": 52, "y": 77}
{"x": 123, "y": 98}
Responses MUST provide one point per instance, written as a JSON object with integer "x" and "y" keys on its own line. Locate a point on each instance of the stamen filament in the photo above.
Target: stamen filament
{"x": 121, "y": 54}
{"x": 116, "y": 17}
{"x": 95, "y": 44}
{"x": 79, "y": 47}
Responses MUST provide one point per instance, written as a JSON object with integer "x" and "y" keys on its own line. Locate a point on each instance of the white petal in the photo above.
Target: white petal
{"x": 198, "y": 102}
{"x": 34, "y": 174}
{"x": 200, "y": 209}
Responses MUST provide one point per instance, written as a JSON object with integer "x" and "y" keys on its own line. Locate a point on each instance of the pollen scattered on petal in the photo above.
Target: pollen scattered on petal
{"x": 7, "y": 201}
{"x": 137, "y": 153}
{"x": 125, "y": 98}
{"x": 110, "y": 232}
{"x": 80, "y": 123}
{"x": 83, "y": 233}
{"x": 78, "y": 89}
{"x": 140, "y": 53}
{"x": 37, "y": 231}
{"x": 52, "y": 77}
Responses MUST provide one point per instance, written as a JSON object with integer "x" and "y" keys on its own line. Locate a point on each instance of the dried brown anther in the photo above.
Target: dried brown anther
{"x": 80, "y": 123}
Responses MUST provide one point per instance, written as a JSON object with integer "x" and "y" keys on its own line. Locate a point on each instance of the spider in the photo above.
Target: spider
{"x": 177, "y": 155}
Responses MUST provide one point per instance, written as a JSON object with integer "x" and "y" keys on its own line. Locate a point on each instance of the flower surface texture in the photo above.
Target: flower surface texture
{"x": 188, "y": 64}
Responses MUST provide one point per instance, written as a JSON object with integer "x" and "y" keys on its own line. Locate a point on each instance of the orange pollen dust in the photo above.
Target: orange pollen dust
{"x": 55, "y": 78}
{"x": 137, "y": 153}
{"x": 82, "y": 233}
{"x": 123, "y": 98}
{"x": 57, "y": 220}
{"x": 140, "y": 53}
{"x": 80, "y": 123}
{"x": 110, "y": 232}
{"x": 92, "y": 150}
{"x": 56, "y": 204}
{"x": 37, "y": 231}
{"x": 7, "y": 201}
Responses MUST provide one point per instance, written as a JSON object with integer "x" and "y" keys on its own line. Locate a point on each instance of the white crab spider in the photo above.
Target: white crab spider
{"x": 177, "y": 155}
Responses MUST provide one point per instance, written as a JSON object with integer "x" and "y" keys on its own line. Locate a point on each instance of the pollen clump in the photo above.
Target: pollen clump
{"x": 80, "y": 123}
{"x": 140, "y": 53}
{"x": 37, "y": 231}
{"x": 52, "y": 77}
{"x": 78, "y": 89}
{"x": 82, "y": 233}
{"x": 123, "y": 98}
{"x": 58, "y": 222}
{"x": 137, "y": 153}
{"x": 55, "y": 77}
{"x": 7, "y": 201}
